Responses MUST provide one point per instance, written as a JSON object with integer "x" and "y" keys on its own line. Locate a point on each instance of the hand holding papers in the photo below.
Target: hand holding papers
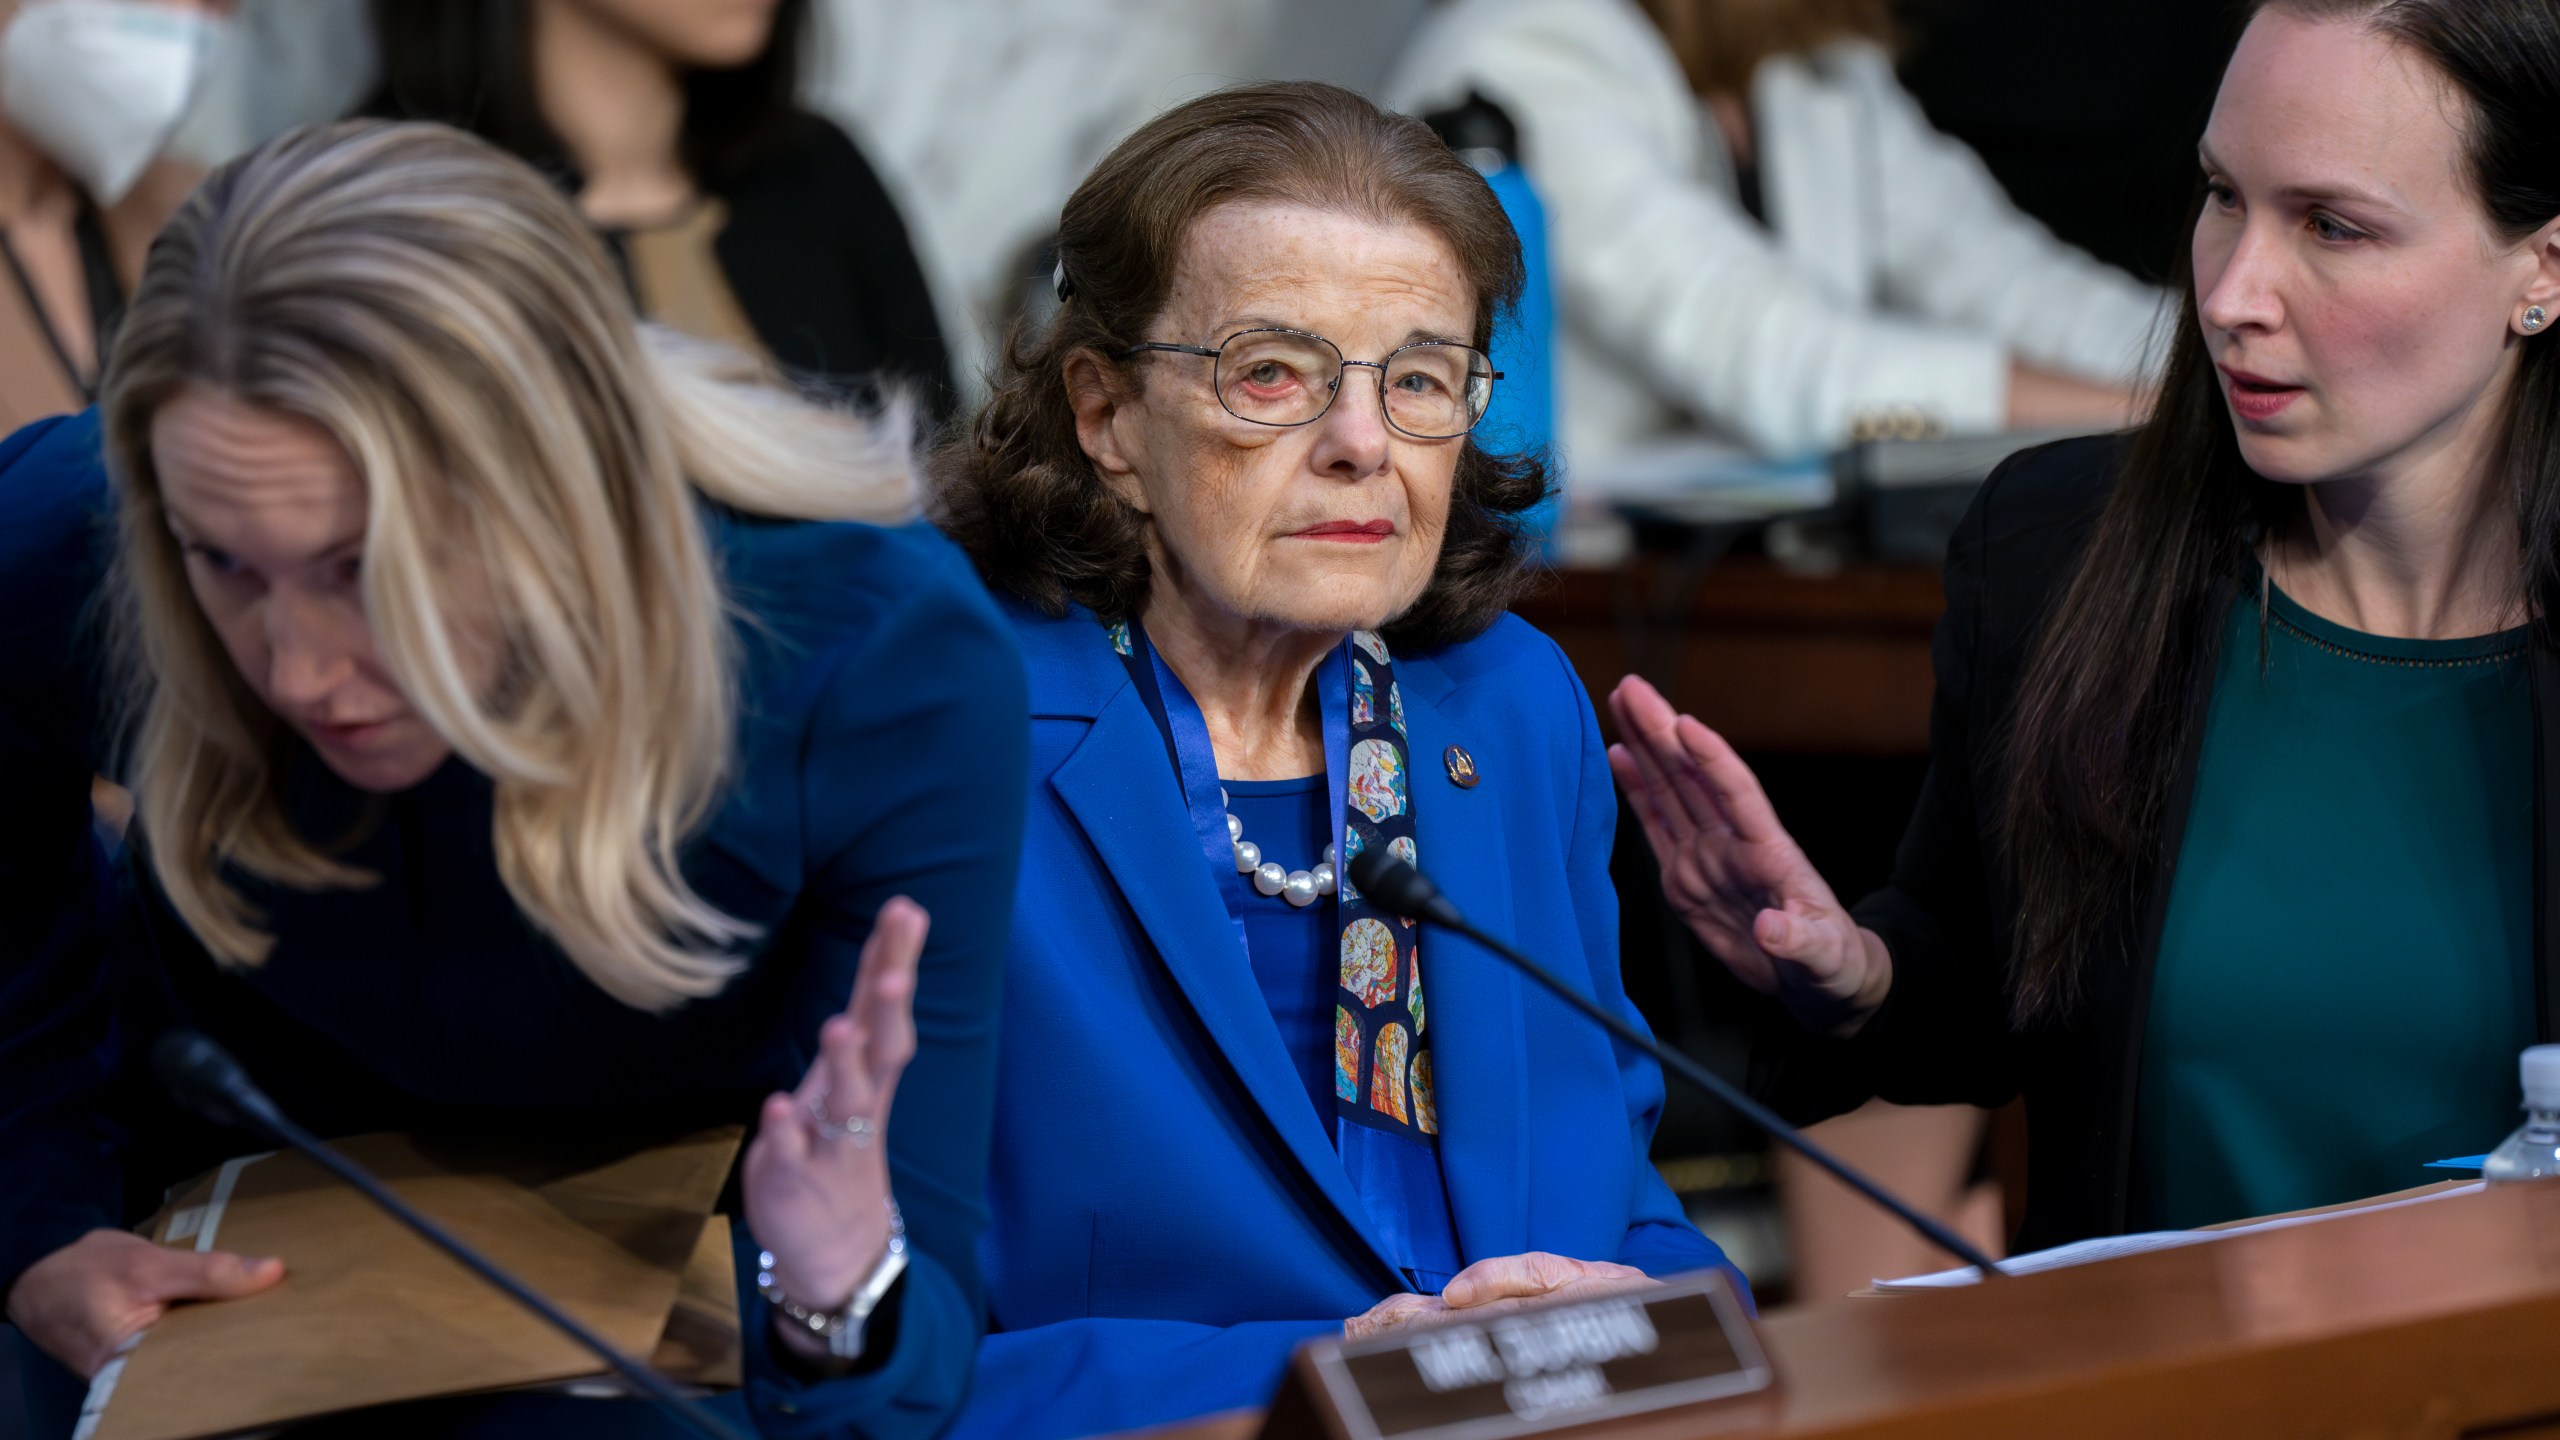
{"x": 369, "y": 1313}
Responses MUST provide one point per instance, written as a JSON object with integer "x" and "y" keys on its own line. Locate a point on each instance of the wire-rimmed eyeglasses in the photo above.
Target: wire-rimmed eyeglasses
{"x": 1430, "y": 390}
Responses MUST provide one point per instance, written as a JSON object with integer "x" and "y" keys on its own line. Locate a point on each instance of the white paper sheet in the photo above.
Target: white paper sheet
{"x": 2110, "y": 1247}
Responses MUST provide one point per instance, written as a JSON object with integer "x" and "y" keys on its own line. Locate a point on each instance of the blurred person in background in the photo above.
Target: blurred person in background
{"x": 984, "y": 114}
{"x": 737, "y": 215}
{"x": 279, "y": 63}
{"x": 1756, "y": 232}
{"x": 91, "y": 92}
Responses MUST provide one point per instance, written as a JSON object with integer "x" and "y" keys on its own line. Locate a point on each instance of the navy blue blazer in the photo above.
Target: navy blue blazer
{"x": 880, "y": 753}
{"x": 1169, "y": 1215}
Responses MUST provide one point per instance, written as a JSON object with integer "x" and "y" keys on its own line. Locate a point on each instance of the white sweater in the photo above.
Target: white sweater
{"x": 1893, "y": 273}
{"x": 984, "y": 115}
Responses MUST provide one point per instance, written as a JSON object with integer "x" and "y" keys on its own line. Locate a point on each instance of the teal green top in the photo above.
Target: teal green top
{"x": 2346, "y": 972}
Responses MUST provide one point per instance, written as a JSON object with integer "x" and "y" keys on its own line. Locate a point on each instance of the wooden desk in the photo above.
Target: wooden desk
{"x": 2431, "y": 1322}
{"x": 1834, "y": 664}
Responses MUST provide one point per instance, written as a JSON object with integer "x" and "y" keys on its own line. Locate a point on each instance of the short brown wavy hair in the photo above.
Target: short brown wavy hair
{"x": 1015, "y": 488}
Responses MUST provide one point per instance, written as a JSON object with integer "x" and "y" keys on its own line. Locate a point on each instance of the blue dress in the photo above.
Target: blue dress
{"x": 881, "y": 752}
{"x": 1170, "y": 1214}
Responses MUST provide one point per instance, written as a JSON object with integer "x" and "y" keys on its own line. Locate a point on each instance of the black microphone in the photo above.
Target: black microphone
{"x": 1399, "y": 889}
{"x": 203, "y": 1077}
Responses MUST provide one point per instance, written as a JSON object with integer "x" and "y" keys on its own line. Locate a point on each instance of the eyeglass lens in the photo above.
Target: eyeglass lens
{"x": 1280, "y": 377}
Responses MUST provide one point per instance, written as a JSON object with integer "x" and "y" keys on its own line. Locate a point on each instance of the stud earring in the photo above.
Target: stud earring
{"x": 2533, "y": 318}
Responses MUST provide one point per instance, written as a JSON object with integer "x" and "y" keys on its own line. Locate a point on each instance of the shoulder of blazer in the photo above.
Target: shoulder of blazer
{"x": 1512, "y": 677}
{"x": 55, "y": 502}
{"x": 57, "y": 543}
{"x": 840, "y": 576}
{"x": 2022, "y": 537}
{"x": 821, "y": 605}
{"x": 1074, "y": 673}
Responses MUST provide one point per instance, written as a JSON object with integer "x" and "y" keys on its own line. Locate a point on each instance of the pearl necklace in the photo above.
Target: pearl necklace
{"x": 1299, "y": 887}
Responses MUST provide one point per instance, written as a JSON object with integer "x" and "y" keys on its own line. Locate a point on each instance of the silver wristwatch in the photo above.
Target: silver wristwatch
{"x": 841, "y": 1330}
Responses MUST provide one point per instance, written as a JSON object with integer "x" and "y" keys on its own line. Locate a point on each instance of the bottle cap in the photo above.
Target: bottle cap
{"x": 2541, "y": 1066}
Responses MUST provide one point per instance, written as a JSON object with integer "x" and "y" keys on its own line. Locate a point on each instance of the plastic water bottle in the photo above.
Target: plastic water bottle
{"x": 2533, "y": 1153}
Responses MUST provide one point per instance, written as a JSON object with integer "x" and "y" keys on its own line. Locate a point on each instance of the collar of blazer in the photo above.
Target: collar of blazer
{"x": 1479, "y": 1044}
{"x": 1074, "y": 675}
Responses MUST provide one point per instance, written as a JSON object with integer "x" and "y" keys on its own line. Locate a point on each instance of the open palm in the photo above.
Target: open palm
{"x": 817, "y": 1177}
{"x": 1733, "y": 874}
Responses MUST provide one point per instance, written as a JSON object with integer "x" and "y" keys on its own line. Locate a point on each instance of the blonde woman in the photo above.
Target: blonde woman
{"x": 512, "y": 747}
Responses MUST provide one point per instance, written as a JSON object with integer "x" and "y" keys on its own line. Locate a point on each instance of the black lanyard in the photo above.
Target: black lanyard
{"x": 106, "y": 301}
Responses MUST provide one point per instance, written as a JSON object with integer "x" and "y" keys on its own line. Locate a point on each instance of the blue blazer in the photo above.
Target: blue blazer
{"x": 880, "y": 752}
{"x": 1168, "y": 1215}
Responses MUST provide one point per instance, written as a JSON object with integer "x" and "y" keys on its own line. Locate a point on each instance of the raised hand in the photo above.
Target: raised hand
{"x": 82, "y": 1301}
{"x": 817, "y": 1176}
{"x": 1734, "y": 875}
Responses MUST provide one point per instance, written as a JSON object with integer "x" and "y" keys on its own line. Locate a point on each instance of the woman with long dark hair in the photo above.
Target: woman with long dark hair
{"x": 2233, "y": 857}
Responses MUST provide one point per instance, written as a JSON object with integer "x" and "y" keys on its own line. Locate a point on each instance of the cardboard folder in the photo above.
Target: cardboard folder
{"x": 370, "y": 1314}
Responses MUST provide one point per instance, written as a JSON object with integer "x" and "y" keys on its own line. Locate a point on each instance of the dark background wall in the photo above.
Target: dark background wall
{"x": 2087, "y": 110}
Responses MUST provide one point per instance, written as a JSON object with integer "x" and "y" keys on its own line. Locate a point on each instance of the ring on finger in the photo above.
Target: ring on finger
{"x": 855, "y": 1128}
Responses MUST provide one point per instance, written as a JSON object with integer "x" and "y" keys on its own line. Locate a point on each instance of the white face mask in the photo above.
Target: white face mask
{"x": 99, "y": 84}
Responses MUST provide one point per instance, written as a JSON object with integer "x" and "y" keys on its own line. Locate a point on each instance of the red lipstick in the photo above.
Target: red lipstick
{"x": 1349, "y": 532}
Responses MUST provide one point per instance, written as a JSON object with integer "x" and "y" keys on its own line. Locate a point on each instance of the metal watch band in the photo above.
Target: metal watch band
{"x": 841, "y": 1330}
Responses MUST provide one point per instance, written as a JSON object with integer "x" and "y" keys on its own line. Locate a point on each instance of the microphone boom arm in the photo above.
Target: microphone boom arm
{"x": 204, "y": 1078}
{"x": 1401, "y": 889}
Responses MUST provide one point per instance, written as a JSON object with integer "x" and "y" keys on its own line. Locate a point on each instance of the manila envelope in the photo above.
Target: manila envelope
{"x": 371, "y": 1314}
{"x": 700, "y": 1346}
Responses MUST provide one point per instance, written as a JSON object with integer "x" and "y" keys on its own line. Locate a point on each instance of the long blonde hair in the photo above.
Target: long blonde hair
{"x": 531, "y": 457}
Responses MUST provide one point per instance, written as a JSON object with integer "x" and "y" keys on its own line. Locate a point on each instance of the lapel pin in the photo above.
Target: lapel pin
{"x": 1462, "y": 767}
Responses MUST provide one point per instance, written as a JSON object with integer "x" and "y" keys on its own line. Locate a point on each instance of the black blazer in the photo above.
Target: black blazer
{"x": 1944, "y": 1036}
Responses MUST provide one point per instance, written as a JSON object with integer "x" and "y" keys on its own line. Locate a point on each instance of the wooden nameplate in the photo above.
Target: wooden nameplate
{"x": 1530, "y": 1372}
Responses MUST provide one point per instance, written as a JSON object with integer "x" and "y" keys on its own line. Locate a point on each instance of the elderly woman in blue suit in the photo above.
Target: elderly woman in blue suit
{"x": 1259, "y": 574}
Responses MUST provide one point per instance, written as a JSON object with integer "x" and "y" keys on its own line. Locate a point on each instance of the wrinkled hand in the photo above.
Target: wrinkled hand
{"x": 1396, "y": 1312}
{"x": 1734, "y": 875}
{"x": 82, "y": 1301}
{"x": 820, "y": 1204}
{"x": 1506, "y": 1283}
{"x": 1496, "y": 1287}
